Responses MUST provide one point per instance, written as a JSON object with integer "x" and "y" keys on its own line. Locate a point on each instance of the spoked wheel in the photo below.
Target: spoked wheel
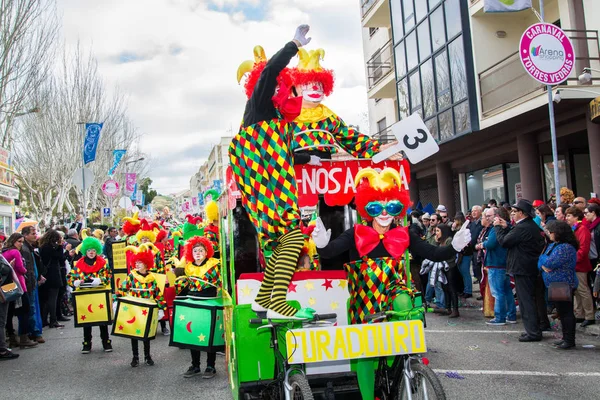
{"x": 424, "y": 385}
{"x": 300, "y": 388}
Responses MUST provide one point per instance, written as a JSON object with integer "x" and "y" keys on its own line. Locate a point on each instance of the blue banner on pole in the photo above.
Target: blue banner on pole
{"x": 200, "y": 199}
{"x": 90, "y": 144}
{"x": 117, "y": 156}
{"x": 217, "y": 184}
{"x": 134, "y": 194}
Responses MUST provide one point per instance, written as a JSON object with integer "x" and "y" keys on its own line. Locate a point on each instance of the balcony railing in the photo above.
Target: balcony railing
{"x": 365, "y": 6}
{"x": 380, "y": 65}
{"x": 507, "y": 81}
{"x": 385, "y": 136}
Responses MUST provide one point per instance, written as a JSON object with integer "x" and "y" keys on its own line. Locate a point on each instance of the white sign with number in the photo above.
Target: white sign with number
{"x": 414, "y": 139}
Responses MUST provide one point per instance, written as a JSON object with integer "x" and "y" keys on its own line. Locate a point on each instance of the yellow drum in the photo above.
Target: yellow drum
{"x": 92, "y": 306}
{"x": 136, "y": 318}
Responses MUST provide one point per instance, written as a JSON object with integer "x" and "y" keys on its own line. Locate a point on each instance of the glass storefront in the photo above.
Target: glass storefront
{"x": 431, "y": 65}
{"x": 549, "y": 173}
{"x": 484, "y": 185}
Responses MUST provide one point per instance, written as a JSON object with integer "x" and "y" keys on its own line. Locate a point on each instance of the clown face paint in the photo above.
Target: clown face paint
{"x": 384, "y": 219}
{"x": 199, "y": 254}
{"x": 312, "y": 93}
{"x": 140, "y": 267}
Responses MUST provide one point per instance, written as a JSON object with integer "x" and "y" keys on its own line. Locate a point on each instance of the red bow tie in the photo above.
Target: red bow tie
{"x": 395, "y": 240}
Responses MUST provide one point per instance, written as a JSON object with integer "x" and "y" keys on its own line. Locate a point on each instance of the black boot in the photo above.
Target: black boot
{"x": 149, "y": 360}
{"x": 135, "y": 361}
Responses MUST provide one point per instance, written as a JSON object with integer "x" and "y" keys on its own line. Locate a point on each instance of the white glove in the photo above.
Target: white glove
{"x": 77, "y": 283}
{"x": 300, "y": 35}
{"x": 314, "y": 160}
{"x": 462, "y": 238}
{"x": 319, "y": 235}
{"x": 114, "y": 307}
{"x": 161, "y": 314}
{"x": 96, "y": 282}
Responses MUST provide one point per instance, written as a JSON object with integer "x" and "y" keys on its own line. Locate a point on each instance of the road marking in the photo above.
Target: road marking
{"x": 521, "y": 373}
{"x": 478, "y": 331}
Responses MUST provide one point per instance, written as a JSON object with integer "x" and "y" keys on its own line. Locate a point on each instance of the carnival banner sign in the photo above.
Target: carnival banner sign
{"x": 547, "y": 53}
{"x": 130, "y": 179}
{"x": 90, "y": 144}
{"x": 335, "y": 180}
{"x": 117, "y": 156}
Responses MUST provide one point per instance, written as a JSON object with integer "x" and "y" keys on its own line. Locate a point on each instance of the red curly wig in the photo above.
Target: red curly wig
{"x": 146, "y": 256}
{"x": 365, "y": 194}
{"x": 197, "y": 241}
{"x": 323, "y": 76}
{"x": 253, "y": 76}
{"x": 161, "y": 235}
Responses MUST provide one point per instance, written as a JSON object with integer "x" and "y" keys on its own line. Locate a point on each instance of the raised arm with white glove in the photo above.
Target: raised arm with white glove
{"x": 462, "y": 238}
{"x": 300, "y": 35}
{"x": 321, "y": 236}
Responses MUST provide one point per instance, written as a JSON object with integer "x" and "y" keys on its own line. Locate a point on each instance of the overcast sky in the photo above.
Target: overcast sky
{"x": 177, "y": 60}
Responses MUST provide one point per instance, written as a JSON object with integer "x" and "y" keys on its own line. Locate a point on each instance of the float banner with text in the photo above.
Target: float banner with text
{"x": 355, "y": 341}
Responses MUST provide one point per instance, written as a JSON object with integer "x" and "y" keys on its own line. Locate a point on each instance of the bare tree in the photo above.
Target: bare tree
{"x": 49, "y": 147}
{"x": 28, "y": 32}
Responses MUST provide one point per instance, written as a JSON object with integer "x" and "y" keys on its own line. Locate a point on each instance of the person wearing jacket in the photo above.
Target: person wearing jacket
{"x": 592, "y": 215}
{"x": 12, "y": 254}
{"x": 443, "y": 238}
{"x": 29, "y": 258}
{"x": 505, "y": 310}
{"x": 584, "y": 305}
{"x": 557, "y": 264}
{"x": 53, "y": 257}
{"x": 91, "y": 268}
{"x": 523, "y": 243}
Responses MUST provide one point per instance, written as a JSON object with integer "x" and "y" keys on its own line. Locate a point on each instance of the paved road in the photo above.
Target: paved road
{"x": 491, "y": 360}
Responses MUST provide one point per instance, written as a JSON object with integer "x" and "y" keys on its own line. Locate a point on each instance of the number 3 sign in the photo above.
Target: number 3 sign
{"x": 414, "y": 139}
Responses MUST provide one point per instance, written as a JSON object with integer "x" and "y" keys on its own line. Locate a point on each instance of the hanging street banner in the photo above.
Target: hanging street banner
{"x": 117, "y": 156}
{"x": 90, "y": 144}
{"x": 4, "y": 158}
{"x": 200, "y": 199}
{"x": 134, "y": 194}
{"x": 130, "y": 179}
{"x": 547, "y": 53}
{"x": 505, "y": 5}
{"x": 110, "y": 188}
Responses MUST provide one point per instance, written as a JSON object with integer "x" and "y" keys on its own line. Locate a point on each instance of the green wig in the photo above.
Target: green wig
{"x": 90, "y": 243}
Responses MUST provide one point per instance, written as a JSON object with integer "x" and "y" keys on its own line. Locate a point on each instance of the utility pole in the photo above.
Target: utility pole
{"x": 84, "y": 212}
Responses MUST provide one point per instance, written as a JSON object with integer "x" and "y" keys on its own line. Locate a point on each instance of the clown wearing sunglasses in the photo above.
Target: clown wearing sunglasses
{"x": 377, "y": 248}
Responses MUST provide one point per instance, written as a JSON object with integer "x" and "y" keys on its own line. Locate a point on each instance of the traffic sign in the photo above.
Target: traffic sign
{"x": 110, "y": 188}
{"x": 79, "y": 175}
{"x": 125, "y": 202}
{"x": 106, "y": 212}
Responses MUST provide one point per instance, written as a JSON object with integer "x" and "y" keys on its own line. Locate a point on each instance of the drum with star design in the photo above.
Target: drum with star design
{"x": 92, "y": 306}
{"x": 198, "y": 324}
{"x": 136, "y": 318}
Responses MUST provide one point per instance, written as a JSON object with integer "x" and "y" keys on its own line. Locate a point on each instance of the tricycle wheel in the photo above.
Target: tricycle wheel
{"x": 300, "y": 388}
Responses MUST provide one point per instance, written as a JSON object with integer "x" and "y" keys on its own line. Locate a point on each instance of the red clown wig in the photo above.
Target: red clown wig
{"x": 309, "y": 70}
{"x": 253, "y": 69}
{"x": 144, "y": 253}
{"x": 194, "y": 242}
{"x": 131, "y": 225}
{"x": 383, "y": 186}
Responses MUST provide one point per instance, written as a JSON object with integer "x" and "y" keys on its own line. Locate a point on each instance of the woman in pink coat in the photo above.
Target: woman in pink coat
{"x": 12, "y": 253}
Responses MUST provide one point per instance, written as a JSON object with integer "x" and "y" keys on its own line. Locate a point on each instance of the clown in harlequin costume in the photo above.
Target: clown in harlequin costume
{"x": 202, "y": 279}
{"x": 142, "y": 283}
{"x": 317, "y": 129}
{"x": 377, "y": 252}
{"x": 263, "y": 167}
{"x": 91, "y": 268}
{"x": 211, "y": 230}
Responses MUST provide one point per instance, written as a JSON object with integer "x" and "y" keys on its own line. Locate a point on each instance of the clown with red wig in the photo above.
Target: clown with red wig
{"x": 318, "y": 129}
{"x": 262, "y": 162}
{"x": 202, "y": 279}
{"x": 141, "y": 283}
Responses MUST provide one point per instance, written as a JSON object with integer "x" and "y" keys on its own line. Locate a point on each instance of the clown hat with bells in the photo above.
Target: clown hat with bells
{"x": 191, "y": 227}
{"x": 145, "y": 253}
{"x": 131, "y": 225}
{"x": 309, "y": 71}
{"x": 147, "y": 230}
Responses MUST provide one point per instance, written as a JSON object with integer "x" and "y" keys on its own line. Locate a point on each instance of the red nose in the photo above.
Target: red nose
{"x": 315, "y": 87}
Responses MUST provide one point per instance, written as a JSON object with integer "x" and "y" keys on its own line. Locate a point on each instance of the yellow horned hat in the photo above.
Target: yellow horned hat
{"x": 309, "y": 70}
{"x": 253, "y": 69}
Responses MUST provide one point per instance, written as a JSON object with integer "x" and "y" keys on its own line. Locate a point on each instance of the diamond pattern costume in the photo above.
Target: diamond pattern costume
{"x": 208, "y": 272}
{"x": 143, "y": 287}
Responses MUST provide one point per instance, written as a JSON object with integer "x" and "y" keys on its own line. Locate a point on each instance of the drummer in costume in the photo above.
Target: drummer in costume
{"x": 263, "y": 166}
{"x": 162, "y": 265}
{"x": 91, "y": 269}
{"x": 202, "y": 279}
{"x": 142, "y": 283}
{"x": 377, "y": 248}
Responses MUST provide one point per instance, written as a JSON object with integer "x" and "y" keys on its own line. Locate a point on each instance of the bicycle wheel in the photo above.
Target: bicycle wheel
{"x": 300, "y": 388}
{"x": 425, "y": 384}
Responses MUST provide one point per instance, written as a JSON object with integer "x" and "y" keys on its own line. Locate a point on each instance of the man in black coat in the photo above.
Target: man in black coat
{"x": 524, "y": 245}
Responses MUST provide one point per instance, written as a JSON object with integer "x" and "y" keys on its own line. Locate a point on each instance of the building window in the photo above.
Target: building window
{"x": 549, "y": 174}
{"x": 372, "y": 31}
{"x": 375, "y": 67}
{"x": 484, "y": 185}
{"x": 431, "y": 67}
{"x": 381, "y": 125}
